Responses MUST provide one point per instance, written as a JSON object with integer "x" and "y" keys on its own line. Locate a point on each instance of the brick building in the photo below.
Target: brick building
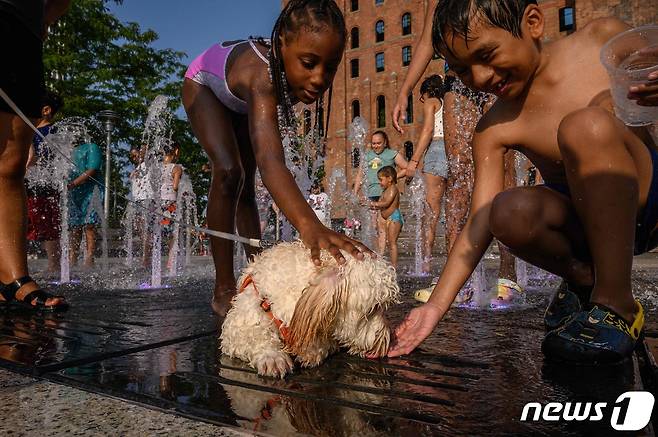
{"x": 381, "y": 36}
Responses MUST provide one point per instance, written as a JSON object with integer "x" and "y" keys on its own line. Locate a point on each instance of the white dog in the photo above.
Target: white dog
{"x": 288, "y": 306}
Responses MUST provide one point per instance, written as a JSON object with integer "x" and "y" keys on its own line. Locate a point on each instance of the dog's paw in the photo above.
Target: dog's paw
{"x": 275, "y": 364}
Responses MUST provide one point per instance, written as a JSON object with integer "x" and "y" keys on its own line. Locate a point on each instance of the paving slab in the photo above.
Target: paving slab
{"x": 158, "y": 349}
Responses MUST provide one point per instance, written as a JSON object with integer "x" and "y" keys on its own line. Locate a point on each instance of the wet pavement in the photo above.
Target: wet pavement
{"x": 158, "y": 348}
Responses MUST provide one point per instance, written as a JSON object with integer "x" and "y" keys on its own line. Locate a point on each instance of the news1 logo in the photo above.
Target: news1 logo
{"x": 630, "y": 412}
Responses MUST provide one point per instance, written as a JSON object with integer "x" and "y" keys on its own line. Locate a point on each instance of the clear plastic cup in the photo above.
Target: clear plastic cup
{"x": 629, "y": 58}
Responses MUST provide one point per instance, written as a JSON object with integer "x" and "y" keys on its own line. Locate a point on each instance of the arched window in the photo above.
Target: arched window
{"x": 354, "y": 67}
{"x": 379, "y": 31}
{"x": 354, "y": 34}
{"x": 406, "y": 24}
{"x": 355, "y": 5}
{"x": 379, "y": 62}
{"x": 381, "y": 111}
{"x": 406, "y": 56}
{"x": 410, "y": 109}
{"x": 356, "y": 109}
{"x": 307, "y": 121}
{"x": 379, "y": 2}
{"x": 408, "y": 150}
{"x": 356, "y": 158}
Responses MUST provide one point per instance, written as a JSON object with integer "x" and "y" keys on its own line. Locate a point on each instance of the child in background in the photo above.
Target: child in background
{"x": 599, "y": 203}
{"x": 378, "y": 156}
{"x": 389, "y": 205}
{"x": 88, "y": 163}
{"x": 319, "y": 201}
{"x": 43, "y": 218}
{"x": 239, "y": 98}
{"x": 171, "y": 175}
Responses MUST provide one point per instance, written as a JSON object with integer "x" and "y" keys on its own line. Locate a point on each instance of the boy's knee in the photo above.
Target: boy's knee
{"x": 593, "y": 125}
{"x": 514, "y": 217}
{"x": 228, "y": 178}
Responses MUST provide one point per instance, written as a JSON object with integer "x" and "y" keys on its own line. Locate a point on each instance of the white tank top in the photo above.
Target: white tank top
{"x": 438, "y": 123}
{"x": 167, "y": 190}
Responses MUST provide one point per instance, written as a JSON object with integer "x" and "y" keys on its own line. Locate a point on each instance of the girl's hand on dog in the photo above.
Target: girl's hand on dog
{"x": 318, "y": 237}
{"x": 416, "y": 327}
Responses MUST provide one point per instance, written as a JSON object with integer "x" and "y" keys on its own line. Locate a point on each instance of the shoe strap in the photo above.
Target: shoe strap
{"x": 638, "y": 323}
{"x": 8, "y": 291}
{"x": 20, "y": 282}
{"x": 612, "y": 318}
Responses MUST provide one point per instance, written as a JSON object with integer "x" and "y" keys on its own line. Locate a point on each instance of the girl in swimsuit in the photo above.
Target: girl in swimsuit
{"x": 236, "y": 95}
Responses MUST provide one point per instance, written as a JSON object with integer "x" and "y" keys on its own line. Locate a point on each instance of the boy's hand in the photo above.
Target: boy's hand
{"x": 646, "y": 94}
{"x": 415, "y": 328}
{"x": 318, "y": 237}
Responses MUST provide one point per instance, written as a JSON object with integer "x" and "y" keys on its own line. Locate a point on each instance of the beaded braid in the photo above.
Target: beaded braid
{"x": 285, "y": 111}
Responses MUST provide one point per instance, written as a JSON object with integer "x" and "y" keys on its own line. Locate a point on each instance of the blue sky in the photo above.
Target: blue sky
{"x": 191, "y": 26}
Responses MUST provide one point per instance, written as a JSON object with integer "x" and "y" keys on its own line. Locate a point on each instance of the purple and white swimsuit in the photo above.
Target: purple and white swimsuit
{"x": 209, "y": 69}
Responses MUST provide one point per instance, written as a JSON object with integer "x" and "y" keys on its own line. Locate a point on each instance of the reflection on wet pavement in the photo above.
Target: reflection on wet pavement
{"x": 159, "y": 348}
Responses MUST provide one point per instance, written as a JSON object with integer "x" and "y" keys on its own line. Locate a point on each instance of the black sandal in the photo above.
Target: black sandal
{"x": 8, "y": 292}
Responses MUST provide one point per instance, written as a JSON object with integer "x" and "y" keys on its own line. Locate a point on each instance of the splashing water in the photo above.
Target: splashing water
{"x": 53, "y": 171}
{"x": 357, "y": 134}
{"x": 418, "y": 209}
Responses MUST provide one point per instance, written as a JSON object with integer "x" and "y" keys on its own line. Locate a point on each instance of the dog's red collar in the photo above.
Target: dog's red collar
{"x": 267, "y": 307}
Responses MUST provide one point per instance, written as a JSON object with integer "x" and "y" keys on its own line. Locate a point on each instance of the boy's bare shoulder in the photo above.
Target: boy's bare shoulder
{"x": 496, "y": 125}
{"x": 602, "y": 29}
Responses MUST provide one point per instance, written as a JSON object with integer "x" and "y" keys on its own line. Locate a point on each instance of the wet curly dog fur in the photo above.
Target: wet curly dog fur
{"x": 322, "y": 308}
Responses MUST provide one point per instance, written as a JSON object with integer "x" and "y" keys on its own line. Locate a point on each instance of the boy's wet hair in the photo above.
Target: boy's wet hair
{"x": 433, "y": 86}
{"x": 383, "y": 134}
{"x": 456, "y": 16}
{"x": 314, "y": 15}
{"x": 53, "y": 100}
{"x": 390, "y": 172}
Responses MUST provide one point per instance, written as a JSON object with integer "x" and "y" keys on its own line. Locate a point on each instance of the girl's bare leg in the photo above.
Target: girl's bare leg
{"x": 212, "y": 124}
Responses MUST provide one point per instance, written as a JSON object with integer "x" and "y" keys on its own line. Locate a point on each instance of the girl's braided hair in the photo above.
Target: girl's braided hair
{"x": 314, "y": 15}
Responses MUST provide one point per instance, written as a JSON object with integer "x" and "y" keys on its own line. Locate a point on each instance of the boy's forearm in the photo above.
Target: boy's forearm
{"x": 472, "y": 243}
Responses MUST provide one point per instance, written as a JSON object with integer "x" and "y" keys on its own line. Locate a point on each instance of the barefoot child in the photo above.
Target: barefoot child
{"x": 377, "y": 157}
{"x": 598, "y": 206}
{"x": 235, "y": 94}
{"x": 389, "y": 205}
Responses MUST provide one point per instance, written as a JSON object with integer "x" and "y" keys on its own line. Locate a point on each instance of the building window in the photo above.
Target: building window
{"x": 354, "y": 68}
{"x": 307, "y": 121}
{"x": 356, "y": 158}
{"x": 406, "y": 24}
{"x": 406, "y": 55}
{"x": 379, "y": 31}
{"x": 379, "y": 62}
{"x": 408, "y": 150}
{"x": 567, "y": 19}
{"x": 381, "y": 111}
{"x": 356, "y": 109}
{"x": 354, "y": 33}
{"x": 410, "y": 109}
{"x": 354, "y": 5}
{"x": 379, "y": 2}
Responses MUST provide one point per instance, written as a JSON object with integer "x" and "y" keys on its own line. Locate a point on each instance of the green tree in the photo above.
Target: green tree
{"x": 96, "y": 62}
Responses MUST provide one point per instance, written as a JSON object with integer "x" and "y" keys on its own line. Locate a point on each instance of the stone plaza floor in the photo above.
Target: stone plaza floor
{"x": 145, "y": 362}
